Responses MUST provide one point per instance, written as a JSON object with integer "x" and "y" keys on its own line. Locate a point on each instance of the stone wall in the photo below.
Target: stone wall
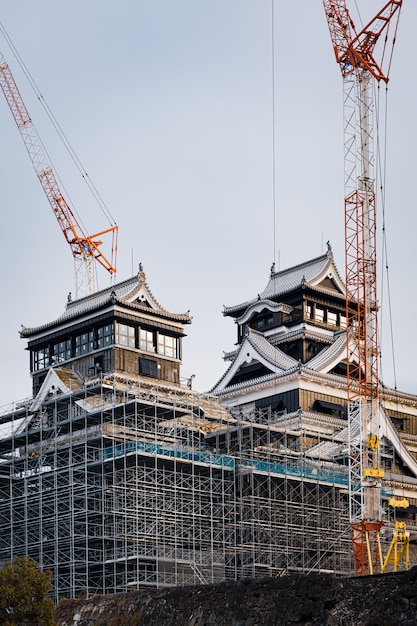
{"x": 384, "y": 600}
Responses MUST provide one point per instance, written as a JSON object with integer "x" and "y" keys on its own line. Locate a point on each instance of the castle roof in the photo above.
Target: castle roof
{"x": 311, "y": 274}
{"x": 256, "y": 347}
{"x": 133, "y": 293}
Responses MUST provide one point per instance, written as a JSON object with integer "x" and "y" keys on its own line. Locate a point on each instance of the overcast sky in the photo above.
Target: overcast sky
{"x": 168, "y": 104}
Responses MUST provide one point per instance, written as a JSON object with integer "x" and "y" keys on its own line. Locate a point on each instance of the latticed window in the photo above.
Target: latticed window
{"x": 84, "y": 343}
{"x": 148, "y": 367}
{"x": 167, "y": 345}
{"x": 125, "y": 335}
{"x": 105, "y": 336}
{"x": 146, "y": 342}
{"x": 41, "y": 358}
{"x": 62, "y": 351}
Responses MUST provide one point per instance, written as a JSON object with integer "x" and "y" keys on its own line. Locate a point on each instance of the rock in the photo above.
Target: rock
{"x": 315, "y": 599}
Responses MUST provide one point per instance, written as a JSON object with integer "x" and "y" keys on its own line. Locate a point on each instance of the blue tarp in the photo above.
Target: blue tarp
{"x": 171, "y": 451}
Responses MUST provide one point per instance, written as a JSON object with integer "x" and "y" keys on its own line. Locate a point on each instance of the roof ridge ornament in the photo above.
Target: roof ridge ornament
{"x": 329, "y": 250}
{"x": 141, "y": 273}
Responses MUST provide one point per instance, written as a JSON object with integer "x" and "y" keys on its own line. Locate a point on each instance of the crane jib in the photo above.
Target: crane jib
{"x": 82, "y": 245}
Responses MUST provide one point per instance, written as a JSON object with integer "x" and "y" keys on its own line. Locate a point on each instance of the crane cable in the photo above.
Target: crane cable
{"x": 106, "y": 212}
{"x": 274, "y": 208}
{"x": 381, "y": 168}
{"x": 381, "y": 172}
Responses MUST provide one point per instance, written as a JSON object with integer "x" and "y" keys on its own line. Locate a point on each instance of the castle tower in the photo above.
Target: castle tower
{"x": 290, "y": 341}
{"x": 121, "y": 329}
{"x": 117, "y": 477}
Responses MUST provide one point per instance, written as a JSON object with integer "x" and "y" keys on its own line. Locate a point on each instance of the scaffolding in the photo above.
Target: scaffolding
{"x": 121, "y": 484}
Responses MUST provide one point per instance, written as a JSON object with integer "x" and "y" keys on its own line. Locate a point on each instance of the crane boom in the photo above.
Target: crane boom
{"x": 354, "y": 54}
{"x": 84, "y": 248}
{"x": 354, "y": 50}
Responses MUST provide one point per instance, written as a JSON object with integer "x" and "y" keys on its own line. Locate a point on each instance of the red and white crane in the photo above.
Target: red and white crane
{"x": 360, "y": 71}
{"x": 85, "y": 248}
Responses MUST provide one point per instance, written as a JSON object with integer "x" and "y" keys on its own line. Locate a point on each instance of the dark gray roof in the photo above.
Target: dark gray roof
{"x": 329, "y": 354}
{"x": 308, "y": 274}
{"x": 279, "y": 361}
{"x": 125, "y": 293}
{"x": 275, "y": 356}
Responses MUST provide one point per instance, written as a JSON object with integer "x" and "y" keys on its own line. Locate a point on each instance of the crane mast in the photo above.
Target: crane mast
{"x": 85, "y": 248}
{"x": 360, "y": 70}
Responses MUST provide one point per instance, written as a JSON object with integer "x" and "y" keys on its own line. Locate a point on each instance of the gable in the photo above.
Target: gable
{"x": 329, "y": 283}
{"x": 58, "y": 380}
{"x": 255, "y": 358}
{"x": 143, "y": 297}
{"x": 249, "y": 372}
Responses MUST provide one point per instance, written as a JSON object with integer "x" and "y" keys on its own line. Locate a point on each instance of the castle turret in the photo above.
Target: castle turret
{"x": 121, "y": 329}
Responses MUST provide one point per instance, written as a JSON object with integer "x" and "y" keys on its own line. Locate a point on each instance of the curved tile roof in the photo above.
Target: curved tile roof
{"x": 305, "y": 332}
{"x": 261, "y": 304}
{"x": 326, "y": 357}
{"x": 280, "y": 362}
{"x": 245, "y": 384}
{"x": 125, "y": 293}
{"x": 276, "y": 357}
{"x": 308, "y": 273}
{"x": 294, "y": 277}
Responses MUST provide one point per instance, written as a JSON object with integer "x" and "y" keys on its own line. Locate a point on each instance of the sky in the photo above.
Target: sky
{"x": 174, "y": 108}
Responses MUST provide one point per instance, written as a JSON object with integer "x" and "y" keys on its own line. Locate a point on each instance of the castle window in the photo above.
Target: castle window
{"x": 167, "y": 345}
{"x": 331, "y": 318}
{"x": 319, "y": 315}
{"x": 146, "y": 340}
{"x": 84, "y": 343}
{"x": 62, "y": 351}
{"x": 125, "y": 335}
{"x": 105, "y": 336}
{"x": 41, "y": 358}
{"x": 309, "y": 311}
{"x": 329, "y": 408}
{"x": 343, "y": 321}
{"x": 148, "y": 367}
